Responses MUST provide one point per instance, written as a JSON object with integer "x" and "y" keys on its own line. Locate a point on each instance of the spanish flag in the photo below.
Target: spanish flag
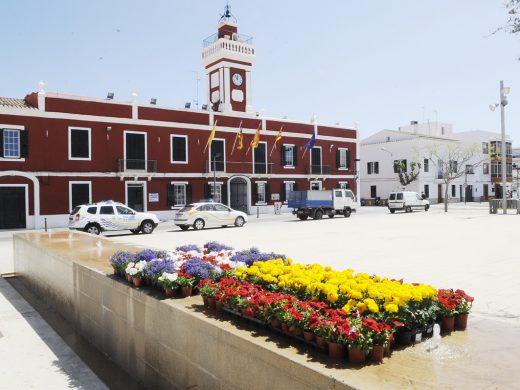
{"x": 240, "y": 138}
{"x": 255, "y": 140}
{"x": 211, "y": 136}
{"x": 278, "y": 138}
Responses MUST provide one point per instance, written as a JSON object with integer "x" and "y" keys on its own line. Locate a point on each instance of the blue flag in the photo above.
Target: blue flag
{"x": 310, "y": 144}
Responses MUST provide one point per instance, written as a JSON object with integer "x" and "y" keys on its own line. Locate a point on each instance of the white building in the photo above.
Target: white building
{"x": 410, "y": 144}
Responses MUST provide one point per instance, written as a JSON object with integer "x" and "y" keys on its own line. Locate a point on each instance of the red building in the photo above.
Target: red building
{"x": 58, "y": 150}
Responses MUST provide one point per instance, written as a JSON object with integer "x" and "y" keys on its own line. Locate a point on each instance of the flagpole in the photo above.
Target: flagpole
{"x": 236, "y": 136}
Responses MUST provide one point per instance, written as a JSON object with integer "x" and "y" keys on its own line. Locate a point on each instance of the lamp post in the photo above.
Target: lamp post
{"x": 217, "y": 155}
{"x": 504, "y": 91}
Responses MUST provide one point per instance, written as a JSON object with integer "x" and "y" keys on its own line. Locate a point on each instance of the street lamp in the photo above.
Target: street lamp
{"x": 503, "y": 102}
{"x": 217, "y": 155}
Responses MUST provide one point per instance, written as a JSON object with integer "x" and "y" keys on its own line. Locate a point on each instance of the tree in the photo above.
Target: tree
{"x": 513, "y": 23}
{"x": 452, "y": 161}
{"x": 406, "y": 178}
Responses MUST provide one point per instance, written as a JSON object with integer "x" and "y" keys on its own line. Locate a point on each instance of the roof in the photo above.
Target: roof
{"x": 16, "y": 103}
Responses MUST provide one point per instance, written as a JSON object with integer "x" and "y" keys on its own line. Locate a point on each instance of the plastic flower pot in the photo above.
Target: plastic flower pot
{"x": 376, "y": 353}
{"x": 461, "y": 321}
{"x": 186, "y": 291}
{"x": 336, "y": 350}
{"x": 137, "y": 282}
{"x": 285, "y": 328}
{"x": 298, "y": 332}
{"x": 218, "y": 306}
{"x": 308, "y": 336}
{"x": 447, "y": 324}
{"x": 403, "y": 336}
{"x": 169, "y": 292}
{"x": 129, "y": 278}
{"x": 356, "y": 355}
{"x": 212, "y": 303}
{"x": 321, "y": 341}
{"x": 205, "y": 300}
{"x": 275, "y": 323}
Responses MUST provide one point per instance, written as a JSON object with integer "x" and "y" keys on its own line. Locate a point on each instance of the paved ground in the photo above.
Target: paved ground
{"x": 465, "y": 248}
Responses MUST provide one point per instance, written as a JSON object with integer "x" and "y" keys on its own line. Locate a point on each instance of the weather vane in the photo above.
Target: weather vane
{"x": 227, "y": 16}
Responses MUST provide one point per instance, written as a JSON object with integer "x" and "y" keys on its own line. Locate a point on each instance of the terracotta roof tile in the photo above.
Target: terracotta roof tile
{"x": 16, "y": 103}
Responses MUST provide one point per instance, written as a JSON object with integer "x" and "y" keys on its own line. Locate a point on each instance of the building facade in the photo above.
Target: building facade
{"x": 61, "y": 150}
{"x": 483, "y": 172}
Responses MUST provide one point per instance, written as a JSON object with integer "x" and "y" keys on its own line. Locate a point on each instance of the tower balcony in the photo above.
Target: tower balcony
{"x": 237, "y": 46}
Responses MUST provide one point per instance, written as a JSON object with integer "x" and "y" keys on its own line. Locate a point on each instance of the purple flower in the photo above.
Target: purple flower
{"x": 249, "y": 256}
{"x": 155, "y": 268}
{"x": 120, "y": 259}
{"x": 213, "y": 246}
{"x": 150, "y": 254}
{"x": 198, "y": 268}
{"x": 187, "y": 248}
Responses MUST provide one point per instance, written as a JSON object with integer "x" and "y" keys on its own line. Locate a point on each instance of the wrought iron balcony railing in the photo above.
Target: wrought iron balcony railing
{"x": 317, "y": 170}
{"x": 136, "y": 166}
{"x": 239, "y": 167}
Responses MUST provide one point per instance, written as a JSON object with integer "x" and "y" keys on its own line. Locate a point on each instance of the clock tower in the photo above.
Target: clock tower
{"x": 228, "y": 57}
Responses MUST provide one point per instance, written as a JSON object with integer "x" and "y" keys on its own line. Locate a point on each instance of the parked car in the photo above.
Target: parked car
{"x": 407, "y": 201}
{"x": 110, "y": 216}
{"x": 200, "y": 215}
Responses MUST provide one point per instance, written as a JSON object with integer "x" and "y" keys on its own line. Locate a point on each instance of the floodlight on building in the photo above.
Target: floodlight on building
{"x": 204, "y": 107}
{"x": 187, "y": 105}
{"x": 153, "y": 101}
{"x": 110, "y": 95}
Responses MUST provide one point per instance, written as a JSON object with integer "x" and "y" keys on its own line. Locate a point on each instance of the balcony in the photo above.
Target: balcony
{"x": 136, "y": 166}
{"x": 236, "y": 37}
{"x": 233, "y": 167}
{"x": 317, "y": 170}
{"x": 240, "y": 45}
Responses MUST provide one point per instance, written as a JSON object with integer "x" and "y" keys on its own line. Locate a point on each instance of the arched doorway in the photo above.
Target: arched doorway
{"x": 238, "y": 194}
{"x": 36, "y": 197}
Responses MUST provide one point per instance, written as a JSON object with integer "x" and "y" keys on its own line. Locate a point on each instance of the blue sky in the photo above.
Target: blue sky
{"x": 380, "y": 63}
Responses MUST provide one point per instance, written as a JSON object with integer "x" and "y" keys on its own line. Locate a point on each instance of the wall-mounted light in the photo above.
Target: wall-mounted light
{"x": 153, "y": 101}
{"x": 330, "y": 147}
{"x": 109, "y": 128}
{"x": 204, "y": 107}
{"x": 110, "y": 95}
{"x": 187, "y": 105}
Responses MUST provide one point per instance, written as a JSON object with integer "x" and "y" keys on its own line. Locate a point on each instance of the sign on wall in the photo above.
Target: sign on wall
{"x": 275, "y": 196}
{"x": 153, "y": 197}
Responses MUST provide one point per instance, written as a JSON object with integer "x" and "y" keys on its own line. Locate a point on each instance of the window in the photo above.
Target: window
{"x": 288, "y": 156}
{"x": 338, "y": 194}
{"x": 485, "y": 168}
{"x": 217, "y": 161}
{"x": 453, "y": 166}
{"x": 179, "y": 191}
{"x": 288, "y": 186}
{"x": 260, "y": 158}
{"x": 344, "y": 185}
{"x": 426, "y": 164}
{"x": 221, "y": 207}
{"x": 79, "y": 143}
{"x": 469, "y": 170}
{"x": 260, "y": 192}
{"x": 216, "y": 194}
{"x": 92, "y": 210}
{"x": 179, "y": 149}
{"x": 373, "y": 192}
{"x": 509, "y": 150}
{"x": 121, "y": 210}
{"x": 373, "y": 167}
{"x": 349, "y": 194}
{"x": 315, "y": 185}
{"x": 453, "y": 191}
{"x": 79, "y": 193}
{"x": 11, "y": 143}
{"x": 485, "y": 148}
{"x": 400, "y": 165}
{"x": 179, "y": 194}
{"x": 427, "y": 191}
{"x": 342, "y": 158}
{"x": 106, "y": 210}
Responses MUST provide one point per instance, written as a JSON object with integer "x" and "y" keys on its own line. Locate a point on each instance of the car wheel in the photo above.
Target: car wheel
{"x": 318, "y": 214}
{"x": 239, "y": 222}
{"x": 331, "y": 215}
{"x": 92, "y": 228}
{"x": 408, "y": 209}
{"x": 198, "y": 224}
{"x": 347, "y": 213}
{"x": 303, "y": 217}
{"x": 426, "y": 207}
{"x": 392, "y": 211}
{"x": 147, "y": 227}
{"x": 135, "y": 231}
{"x": 184, "y": 227}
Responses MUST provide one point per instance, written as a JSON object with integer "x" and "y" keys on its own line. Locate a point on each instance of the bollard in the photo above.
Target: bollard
{"x": 258, "y": 212}
{"x": 45, "y": 224}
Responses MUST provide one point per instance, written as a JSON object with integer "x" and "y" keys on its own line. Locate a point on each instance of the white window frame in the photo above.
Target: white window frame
{"x": 321, "y": 159}
{"x": 315, "y": 181}
{"x": 89, "y": 130}
{"x": 345, "y": 168}
{"x": 292, "y": 166}
{"x": 171, "y": 148}
{"x": 343, "y": 185}
{"x": 145, "y": 193}
{"x": 219, "y": 186}
{"x": 285, "y": 188}
{"x": 13, "y": 127}
{"x": 145, "y": 145}
{"x": 264, "y": 202}
{"x": 266, "y": 161}
{"x": 210, "y": 162}
{"x": 17, "y": 131}
{"x": 71, "y": 183}
{"x": 180, "y": 183}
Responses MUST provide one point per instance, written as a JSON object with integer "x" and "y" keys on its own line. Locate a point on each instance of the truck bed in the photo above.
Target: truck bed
{"x": 310, "y": 199}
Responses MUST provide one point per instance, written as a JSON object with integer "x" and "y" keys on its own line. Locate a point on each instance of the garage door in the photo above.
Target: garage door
{"x": 12, "y": 207}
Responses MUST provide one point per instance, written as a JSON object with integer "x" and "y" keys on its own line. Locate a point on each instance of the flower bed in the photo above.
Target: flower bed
{"x": 347, "y": 311}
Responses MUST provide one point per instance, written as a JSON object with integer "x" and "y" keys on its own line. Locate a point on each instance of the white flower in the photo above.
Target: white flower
{"x": 170, "y": 277}
{"x": 140, "y": 265}
{"x": 132, "y": 271}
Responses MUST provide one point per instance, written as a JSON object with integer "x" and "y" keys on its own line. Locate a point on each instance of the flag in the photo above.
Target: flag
{"x": 310, "y": 144}
{"x": 278, "y": 138}
{"x": 240, "y": 138}
{"x": 255, "y": 140}
{"x": 211, "y": 136}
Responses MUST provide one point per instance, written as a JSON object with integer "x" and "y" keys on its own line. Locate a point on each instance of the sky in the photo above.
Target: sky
{"x": 377, "y": 65}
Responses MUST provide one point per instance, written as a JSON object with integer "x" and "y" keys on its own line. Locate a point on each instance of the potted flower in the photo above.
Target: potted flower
{"x": 321, "y": 327}
{"x": 208, "y": 290}
{"x": 119, "y": 261}
{"x": 359, "y": 342}
{"x": 462, "y": 309}
{"x": 380, "y": 334}
{"x": 135, "y": 270}
{"x": 168, "y": 281}
{"x": 186, "y": 284}
{"x": 447, "y": 302}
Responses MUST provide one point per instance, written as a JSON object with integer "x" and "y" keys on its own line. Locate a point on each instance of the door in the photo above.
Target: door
{"x": 126, "y": 218}
{"x": 469, "y": 193}
{"x": 223, "y": 214}
{"x": 486, "y": 192}
{"x": 373, "y": 192}
{"x": 439, "y": 193}
{"x": 260, "y": 158}
{"x": 135, "y": 196}
{"x": 316, "y": 161}
{"x": 135, "y": 151}
{"x": 238, "y": 194}
{"x": 12, "y": 208}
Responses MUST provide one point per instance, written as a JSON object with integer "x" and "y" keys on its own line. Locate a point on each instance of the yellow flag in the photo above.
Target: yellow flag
{"x": 279, "y": 136}
{"x": 211, "y": 136}
{"x": 240, "y": 137}
{"x": 256, "y": 139}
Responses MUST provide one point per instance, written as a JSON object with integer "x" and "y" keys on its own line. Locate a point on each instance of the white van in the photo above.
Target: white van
{"x": 407, "y": 201}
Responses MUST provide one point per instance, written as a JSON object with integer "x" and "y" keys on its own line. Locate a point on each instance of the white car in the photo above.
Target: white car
{"x": 109, "y": 215}
{"x": 200, "y": 215}
{"x": 407, "y": 201}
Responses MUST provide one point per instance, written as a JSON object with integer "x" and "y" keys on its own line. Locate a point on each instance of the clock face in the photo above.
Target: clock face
{"x": 237, "y": 79}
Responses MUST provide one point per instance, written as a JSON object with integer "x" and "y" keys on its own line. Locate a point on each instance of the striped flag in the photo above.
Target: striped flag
{"x": 256, "y": 139}
{"x": 278, "y": 138}
{"x": 240, "y": 138}
{"x": 211, "y": 136}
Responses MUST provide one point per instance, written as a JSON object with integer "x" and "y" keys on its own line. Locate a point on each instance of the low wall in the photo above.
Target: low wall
{"x": 161, "y": 343}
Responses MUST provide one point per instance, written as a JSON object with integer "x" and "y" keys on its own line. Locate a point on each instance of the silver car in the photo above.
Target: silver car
{"x": 200, "y": 215}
